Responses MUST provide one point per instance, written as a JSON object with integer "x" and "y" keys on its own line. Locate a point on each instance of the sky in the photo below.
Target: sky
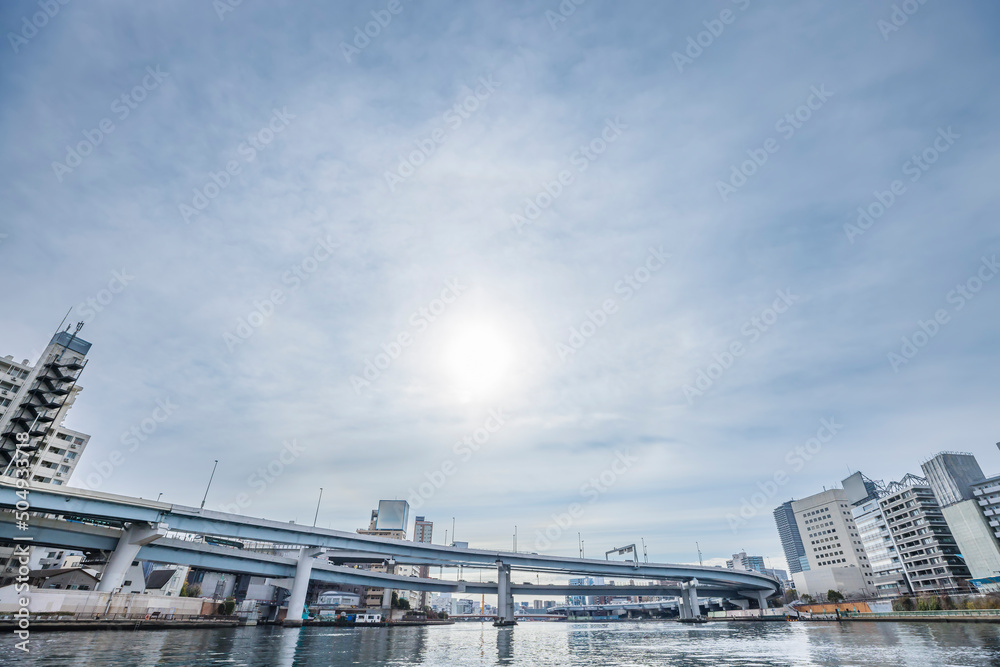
{"x": 627, "y": 273}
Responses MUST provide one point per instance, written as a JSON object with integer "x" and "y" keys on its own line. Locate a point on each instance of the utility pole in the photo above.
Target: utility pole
{"x": 645, "y": 556}
{"x": 515, "y": 538}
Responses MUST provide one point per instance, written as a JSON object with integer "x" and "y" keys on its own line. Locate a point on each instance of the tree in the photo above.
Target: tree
{"x": 228, "y": 607}
{"x": 398, "y": 602}
{"x": 834, "y": 596}
{"x": 791, "y": 595}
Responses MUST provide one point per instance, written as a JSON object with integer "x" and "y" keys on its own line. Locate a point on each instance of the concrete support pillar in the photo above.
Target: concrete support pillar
{"x": 297, "y": 600}
{"x": 693, "y": 597}
{"x": 390, "y": 568}
{"x": 505, "y": 596}
{"x": 762, "y": 601}
{"x": 136, "y": 536}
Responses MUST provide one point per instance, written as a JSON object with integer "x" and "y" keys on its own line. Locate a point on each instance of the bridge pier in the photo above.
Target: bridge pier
{"x": 687, "y": 605}
{"x": 762, "y": 601}
{"x": 505, "y": 597}
{"x": 134, "y": 537}
{"x": 297, "y": 599}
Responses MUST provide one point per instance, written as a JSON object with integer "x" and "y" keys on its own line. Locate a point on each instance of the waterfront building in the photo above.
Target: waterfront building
{"x": 791, "y": 540}
{"x": 953, "y": 477}
{"x": 911, "y": 545}
{"x": 835, "y": 556}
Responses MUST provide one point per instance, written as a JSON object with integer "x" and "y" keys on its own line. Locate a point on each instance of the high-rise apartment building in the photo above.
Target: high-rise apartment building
{"x": 961, "y": 489}
{"x": 791, "y": 540}
{"x": 34, "y": 400}
{"x": 910, "y": 544}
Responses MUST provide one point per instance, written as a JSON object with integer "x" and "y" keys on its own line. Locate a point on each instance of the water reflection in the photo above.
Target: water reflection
{"x": 626, "y": 643}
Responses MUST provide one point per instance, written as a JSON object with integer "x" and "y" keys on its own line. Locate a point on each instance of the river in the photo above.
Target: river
{"x": 538, "y": 643}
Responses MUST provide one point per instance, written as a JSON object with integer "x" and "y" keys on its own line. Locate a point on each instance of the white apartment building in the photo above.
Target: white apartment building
{"x": 35, "y": 399}
{"x": 835, "y": 552}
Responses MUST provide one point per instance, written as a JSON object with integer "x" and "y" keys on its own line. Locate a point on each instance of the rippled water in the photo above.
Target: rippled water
{"x": 624, "y": 643}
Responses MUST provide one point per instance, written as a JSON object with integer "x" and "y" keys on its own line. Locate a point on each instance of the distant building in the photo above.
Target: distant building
{"x": 791, "y": 540}
{"x": 389, "y": 520}
{"x": 585, "y": 599}
{"x": 423, "y": 531}
{"x": 741, "y": 561}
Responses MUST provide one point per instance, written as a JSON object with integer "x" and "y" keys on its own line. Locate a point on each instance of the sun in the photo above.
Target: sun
{"x": 478, "y": 358}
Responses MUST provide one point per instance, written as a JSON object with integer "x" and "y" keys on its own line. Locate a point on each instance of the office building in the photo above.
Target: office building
{"x": 835, "y": 555}
{"x": 951, "y": 476}
{"x": 34, "y": 400}
{"x": 791, "y": 540}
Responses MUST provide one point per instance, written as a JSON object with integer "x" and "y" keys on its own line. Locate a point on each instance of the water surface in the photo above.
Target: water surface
{"x": 620, "y": 643}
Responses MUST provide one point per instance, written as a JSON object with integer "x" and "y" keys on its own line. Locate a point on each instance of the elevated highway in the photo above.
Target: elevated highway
{"x": 136, "y": 528}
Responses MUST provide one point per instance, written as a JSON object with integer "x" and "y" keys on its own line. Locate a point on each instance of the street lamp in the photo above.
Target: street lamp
{"x": 209, "y": 484}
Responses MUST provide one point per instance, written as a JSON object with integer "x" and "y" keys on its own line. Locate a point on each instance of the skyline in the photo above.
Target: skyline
{"x": 535, "y": 222}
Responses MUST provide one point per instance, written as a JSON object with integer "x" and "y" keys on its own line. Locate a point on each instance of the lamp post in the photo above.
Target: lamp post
{"x": 317, "y": 506}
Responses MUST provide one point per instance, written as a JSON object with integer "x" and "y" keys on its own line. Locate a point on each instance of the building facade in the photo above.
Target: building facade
{"x": 834, "y": 552}
{"x": 34, "y": 400}
{"x": 909, "y": 531}
{"x": 423, "y": 531}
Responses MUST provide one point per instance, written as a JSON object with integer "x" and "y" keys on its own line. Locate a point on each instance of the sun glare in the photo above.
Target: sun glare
{"x": 478, "y": 358}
